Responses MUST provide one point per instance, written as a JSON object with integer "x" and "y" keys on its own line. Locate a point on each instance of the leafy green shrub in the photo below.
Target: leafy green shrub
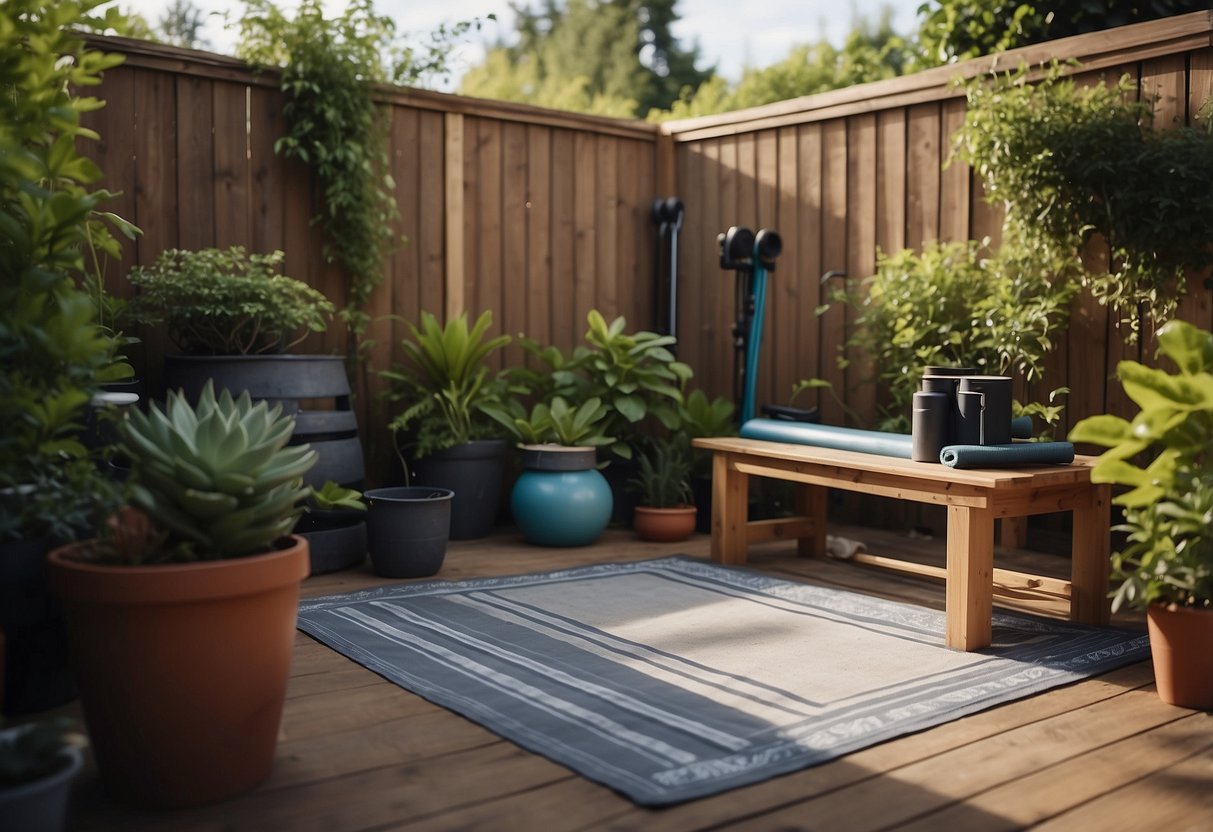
{"x": 53, "y": 354}
{"x": 952, "y": 305}
{"x": 634, "y": 374}
{"x": 1168, "y": 557}
{"x": 663, "y": 474}
{"x": 1070, "y": 162}
{"x": 446, "y": 384}
{"x": 558, "y": 422}
{"x": 216, "y": 302}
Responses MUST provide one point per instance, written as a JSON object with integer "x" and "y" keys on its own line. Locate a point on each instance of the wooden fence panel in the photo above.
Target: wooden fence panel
{"x": 542, "y": 216}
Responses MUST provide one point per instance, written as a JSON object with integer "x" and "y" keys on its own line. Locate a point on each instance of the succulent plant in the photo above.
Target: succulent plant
{"x": 218, "y": 479}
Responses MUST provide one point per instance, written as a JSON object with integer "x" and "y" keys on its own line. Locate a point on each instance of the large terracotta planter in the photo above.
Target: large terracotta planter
{"x": 182, "y": 669}
{"x": 664, "y": 525}
{"x": 1181, "y": 641}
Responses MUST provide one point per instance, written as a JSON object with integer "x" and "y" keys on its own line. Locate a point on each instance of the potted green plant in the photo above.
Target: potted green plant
{"x": 1166, "y": 564}
{"x": 234, "y": 317}
{"x": 446, "y": 387}
{"x": 182, "y": 613}
{"x": 560, "y": 498}
{"x": 666, "y": 511}
{"x": 38, "y": 763}
{"x": 704, "y": 417}
{"x": 334, "y": 525}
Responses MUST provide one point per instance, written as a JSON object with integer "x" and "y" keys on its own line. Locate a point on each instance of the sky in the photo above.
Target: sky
{"x": 731, "y": 39}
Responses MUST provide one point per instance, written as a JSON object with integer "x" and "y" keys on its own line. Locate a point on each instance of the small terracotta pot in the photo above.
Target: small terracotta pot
{"x": 182, "y": 668}
{"x": 664, "y": 525}
{"x": 1181, "y": 641}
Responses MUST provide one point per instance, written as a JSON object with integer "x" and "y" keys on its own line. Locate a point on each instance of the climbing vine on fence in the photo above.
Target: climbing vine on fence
{"x": 1069, "y": 162}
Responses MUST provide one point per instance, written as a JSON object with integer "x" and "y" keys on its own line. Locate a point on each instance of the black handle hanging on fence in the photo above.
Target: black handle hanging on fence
{"x": 668, "y": 214}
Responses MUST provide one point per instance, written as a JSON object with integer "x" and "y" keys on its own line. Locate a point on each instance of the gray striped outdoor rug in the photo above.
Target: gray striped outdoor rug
{"x": 673, "y": 679}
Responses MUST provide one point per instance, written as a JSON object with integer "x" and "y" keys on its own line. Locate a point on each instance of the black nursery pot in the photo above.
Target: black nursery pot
{"x": 407, "y": 530}
{"x": 474, "y": 471}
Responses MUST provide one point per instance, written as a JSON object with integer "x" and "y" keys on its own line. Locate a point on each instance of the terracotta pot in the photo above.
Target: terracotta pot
{"x": 1181, "y": 641}
{"x": 664, "y": 525}
{"x": 182, "y": 668}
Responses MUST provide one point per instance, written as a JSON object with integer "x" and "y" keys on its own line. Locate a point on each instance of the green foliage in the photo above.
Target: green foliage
{"x": 333, "y": 497}
{"x": 557, "y": 422}
{"x": 1069, "y": 163}
{"x": 1168, "y": 556}
{"x": 181, "y": 25}
{"x": 952, "y": 305}
{"x": 53, "y": 353}
{"x": 446, "y": 383}
{"x": 607, "y": 57}
{"x": 33, "y": 751}
{"x": 217, "y": 480}
{"x": 872, "y": 52}
{"x": 216, "y": 302}
{"x": 956, "y": 30}
{"x": 56, "y": 498}
{"x": 663, "y": 474}
{"x": 634, "y": 374}
{"x": 329, "y": 67}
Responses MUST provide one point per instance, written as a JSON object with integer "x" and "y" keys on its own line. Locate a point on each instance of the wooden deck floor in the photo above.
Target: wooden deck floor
{"x": 359, "y": 753}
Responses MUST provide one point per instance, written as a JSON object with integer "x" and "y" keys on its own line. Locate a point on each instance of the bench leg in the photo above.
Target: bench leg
{"x": 811, "y": 503}
{"x": 1090, "y": 564}
{"x": 970, "y": 577}
{"x": 730, "y": 510}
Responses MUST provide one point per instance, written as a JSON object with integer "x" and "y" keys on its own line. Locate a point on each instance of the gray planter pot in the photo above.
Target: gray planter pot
{"x": 336, "y": 539}
{"x": 407, "y": 530}
{"x": 287, "y": 380}
{"x": 473, "y": 471}
{"x": 40, "y": 806}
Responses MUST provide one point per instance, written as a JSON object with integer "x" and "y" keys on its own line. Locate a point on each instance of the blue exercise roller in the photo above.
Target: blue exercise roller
{"x": 1007, "y": 456}
{"x": 829, "y": 436}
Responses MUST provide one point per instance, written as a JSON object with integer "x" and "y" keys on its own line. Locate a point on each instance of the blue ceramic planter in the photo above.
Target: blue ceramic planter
{"x": 561, "y": 499}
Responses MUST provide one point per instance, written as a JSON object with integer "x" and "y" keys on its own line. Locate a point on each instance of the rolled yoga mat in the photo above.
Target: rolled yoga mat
{"x": 829, "y": 436}
{"x": 1007, "y": 456}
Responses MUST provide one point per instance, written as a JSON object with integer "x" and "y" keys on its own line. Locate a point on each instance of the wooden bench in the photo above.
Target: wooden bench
{"x": 974, "y": 500}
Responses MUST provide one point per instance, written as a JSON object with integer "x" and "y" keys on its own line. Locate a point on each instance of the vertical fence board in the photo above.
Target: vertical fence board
{"x": 637, "y": 240}
{"x": 766, "y": 165}
{"x": 430, "y": 227}
{"x": 195, "y": 165}
{"x": 725, "y": 350}
{"x": 922, "y": 175}
{"x": 861, "y": 249}
{"x": 784, "y": 293}
{"x": 693, "y": 296}
{"x": 954, "y": 179}
{"x": 810, "y": 358}
{"x": 232, "y": 176}
{"x": 586, "y": 231}
{"x": 564, "y": 326}
{"x": 266, "y": 124}
{"x": 487, "y": 279}
{"x": 511, "y": 314}
{"x": 835, "y": 218}
{"x": 541, "y": 281}
{"x": 606, "y": 295}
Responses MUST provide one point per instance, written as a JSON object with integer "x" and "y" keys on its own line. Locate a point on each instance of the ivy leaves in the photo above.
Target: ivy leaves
{"x": 1069, "y": 163}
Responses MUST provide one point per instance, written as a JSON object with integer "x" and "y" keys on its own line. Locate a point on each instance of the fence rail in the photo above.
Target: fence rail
{"x": 540, "y": 215}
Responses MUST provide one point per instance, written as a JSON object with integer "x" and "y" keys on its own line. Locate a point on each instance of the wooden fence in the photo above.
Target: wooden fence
{"x": 540, "y": 216}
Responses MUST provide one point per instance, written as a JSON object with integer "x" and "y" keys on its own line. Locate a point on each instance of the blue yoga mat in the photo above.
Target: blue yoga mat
{"x": 828, "y": 436}
{"x": 1007, "y": 456}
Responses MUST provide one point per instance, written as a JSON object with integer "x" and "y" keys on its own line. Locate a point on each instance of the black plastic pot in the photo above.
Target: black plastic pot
{"x": 38, "y": 672}
{"x": 407, "y": 530}
{"x": 474, "y": 471}
{"x": 336, "y": 538}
